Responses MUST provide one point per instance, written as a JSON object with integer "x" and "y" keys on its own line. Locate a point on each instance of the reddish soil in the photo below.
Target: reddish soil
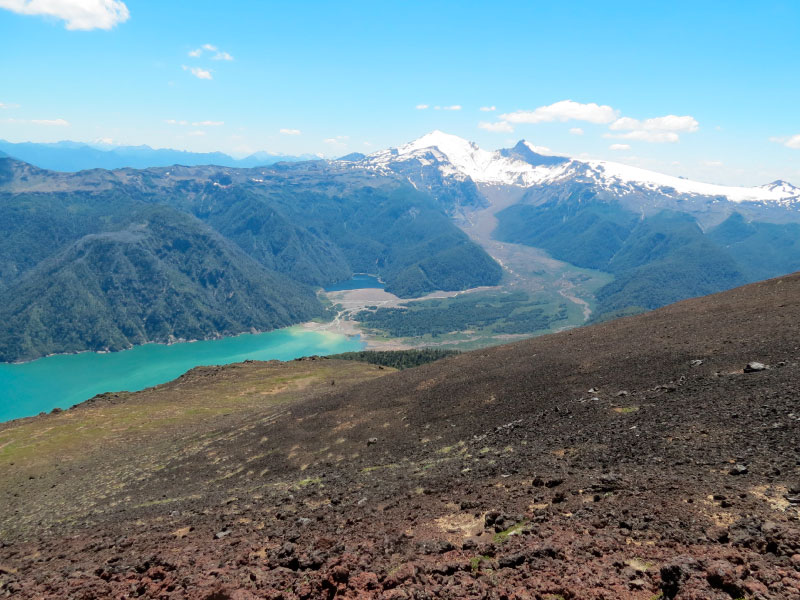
{"x": 494, "y": 474}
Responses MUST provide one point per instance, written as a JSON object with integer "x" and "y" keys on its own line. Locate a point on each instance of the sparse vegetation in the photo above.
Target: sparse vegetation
{"x": 515, "y": 529}
{"x": 475, "y": 563}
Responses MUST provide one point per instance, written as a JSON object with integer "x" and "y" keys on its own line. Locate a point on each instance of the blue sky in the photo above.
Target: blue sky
{"x": 337, "y": 77}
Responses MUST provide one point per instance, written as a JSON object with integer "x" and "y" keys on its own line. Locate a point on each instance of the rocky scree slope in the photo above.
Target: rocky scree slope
{"x": 639, "y": 458}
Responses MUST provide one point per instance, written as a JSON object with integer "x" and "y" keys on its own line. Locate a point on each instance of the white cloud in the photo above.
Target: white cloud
{"x": 499, "y": 127}
{"x": 576, "y": 131}
{"x": 656, "y": 130}
{"x": 537, "y": 149}
{"x": 3, "y": 105}
{"x": 421, "y": 106}
{"x": 685, "y": 124}
{"x": 51, "y": 122}
{"x": 198, "y": 72}
{"x": 198, "y": 132}
{"x": 184, "y": 123}
{"x": 339, "y": 140}
{"x": 789, "y": 142}
{"x": 619, "y": 147}
{"x": 565, "y": 110}
{"x": 713, "y": 163}
{"x": 453, "y": 107}
{"x": 198, "y": 52}
{"x": 625, "y": 123}
{"x": 285, "y": 131}
{"x": 488, "y": 108}
{"x": 642, "y": 135}
{"x": 78, "y": 14}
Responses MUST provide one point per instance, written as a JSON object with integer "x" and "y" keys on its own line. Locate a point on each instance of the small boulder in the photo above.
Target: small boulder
{"x": 675, "y": 573}
{"x": 753, "y": 367}
{"x": 511, "y": 561}
{"x": 738, "y": 469}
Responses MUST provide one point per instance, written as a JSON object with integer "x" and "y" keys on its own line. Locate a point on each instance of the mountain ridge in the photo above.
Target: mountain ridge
{"x": 68, "y": 156}
{"x": 526, "y": 168}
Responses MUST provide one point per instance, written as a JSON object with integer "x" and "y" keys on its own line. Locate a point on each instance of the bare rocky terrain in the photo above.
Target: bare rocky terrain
{"x": 639, "y": 458}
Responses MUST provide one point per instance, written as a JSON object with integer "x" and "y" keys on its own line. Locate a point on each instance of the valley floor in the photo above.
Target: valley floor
{"x": 546, "y": 281}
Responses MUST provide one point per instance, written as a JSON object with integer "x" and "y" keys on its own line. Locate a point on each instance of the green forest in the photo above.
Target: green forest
{"x": 397, "y": 359}
{"x": 655, "y": 260}
{"x": 102, "y": 260}
{"x": 489, "y": 312}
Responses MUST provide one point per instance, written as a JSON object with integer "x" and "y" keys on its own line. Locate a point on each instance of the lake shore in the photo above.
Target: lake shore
{"x": 63, "y": 380}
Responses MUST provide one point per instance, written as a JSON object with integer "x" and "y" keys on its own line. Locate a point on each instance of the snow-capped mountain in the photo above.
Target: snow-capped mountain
{"x": 458, "y": 160}
{"x": 663, "y": 238}
{"x": 783, "y": 187}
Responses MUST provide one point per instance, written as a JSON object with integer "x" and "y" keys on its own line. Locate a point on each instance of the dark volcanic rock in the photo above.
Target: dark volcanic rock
{"x": 493, "y": 477}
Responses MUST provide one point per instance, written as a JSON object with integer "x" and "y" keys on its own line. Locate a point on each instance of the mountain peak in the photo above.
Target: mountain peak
{"x": 783, "y": 187}
{"x": 444, "y": 142}
{"x": 533, "y": 155}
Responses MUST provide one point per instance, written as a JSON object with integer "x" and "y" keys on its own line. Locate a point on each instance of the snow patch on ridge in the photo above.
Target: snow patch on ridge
{"x": 617, "y": 174}
{"x": 467, "y": 160}
{"x": 461, "y": 159}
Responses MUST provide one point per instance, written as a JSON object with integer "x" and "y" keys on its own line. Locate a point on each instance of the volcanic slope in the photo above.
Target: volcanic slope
{"x": 636, "y": 458}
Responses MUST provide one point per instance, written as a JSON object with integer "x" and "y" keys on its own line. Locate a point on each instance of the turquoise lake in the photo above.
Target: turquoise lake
{"x": 64, "y": 380}
{"x": 360, "y": 281}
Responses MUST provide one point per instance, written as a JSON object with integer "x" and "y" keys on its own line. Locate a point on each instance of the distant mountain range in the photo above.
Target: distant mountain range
{"x": 459, "y": 163}
{"x": 664, "y": 238}
{"x": 202, "y": 251}
{"x": 77, "y": 156}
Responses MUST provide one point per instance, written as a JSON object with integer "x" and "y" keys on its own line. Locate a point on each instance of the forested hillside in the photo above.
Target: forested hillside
{"x": 163, "y": 276}
{"x": 106, "y": 259}
{"x": 656, "y": 259}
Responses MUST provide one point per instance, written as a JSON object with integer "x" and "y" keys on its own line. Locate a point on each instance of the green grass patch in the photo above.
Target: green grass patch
{"x": 502, "y": 536}
{"x": 475, "y": 562}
